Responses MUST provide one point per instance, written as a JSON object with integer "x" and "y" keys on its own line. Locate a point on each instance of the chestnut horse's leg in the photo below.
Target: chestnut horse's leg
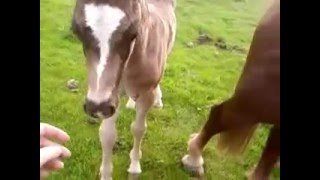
{"x": 278, "y": 163}
{"x": 269, "y": 156}
{"x": 138, "y": 128}
{"x": 224, "y": 117}
{"x": 194, "y": 161}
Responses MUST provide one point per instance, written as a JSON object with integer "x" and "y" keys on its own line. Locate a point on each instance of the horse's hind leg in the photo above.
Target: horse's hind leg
{"x": 229, "y": 118}
{"x": 158, "y": 97}
{"x": 138, "y": 128}
{"x": 194, "y": 161}
{"x": 269, "y": 156}
{"x": 131, "y": 104}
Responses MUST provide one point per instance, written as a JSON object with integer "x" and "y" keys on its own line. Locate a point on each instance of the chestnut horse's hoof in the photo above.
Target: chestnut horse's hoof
{"x": 195, "y": 170}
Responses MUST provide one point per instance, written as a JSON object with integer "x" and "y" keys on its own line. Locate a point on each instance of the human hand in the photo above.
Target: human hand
{"x": 51, "y": 153}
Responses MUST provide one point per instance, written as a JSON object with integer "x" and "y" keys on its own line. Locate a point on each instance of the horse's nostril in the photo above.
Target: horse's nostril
{"x": 102, "y": 110}
{"x": 108, "y": 111}
{"x": 90, "y": 107}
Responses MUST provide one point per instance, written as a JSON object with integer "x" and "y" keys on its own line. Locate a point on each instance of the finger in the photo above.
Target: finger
{"x": 46, "y": 142}
{"x": 50, "y": 131}
{"x": 49, "y": 153}
{"x": 52, "y": 152}
{"x": 54, "y": 165}
{"x": 65, "y": 152}
{"x": 43, "y": 173}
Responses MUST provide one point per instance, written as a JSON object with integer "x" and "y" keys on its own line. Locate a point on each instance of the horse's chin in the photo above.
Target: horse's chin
{"x": 92, "y": 120}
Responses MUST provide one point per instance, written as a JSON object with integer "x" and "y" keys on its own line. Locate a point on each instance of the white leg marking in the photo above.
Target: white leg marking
{"x": 138, "y": 128}
{"x": 158, "y": 98}
{"x": 103, "y": 21}
{"x": 108, "y": 135}
{"x": 131, "y": 104}
{"x": 193, "y": 161}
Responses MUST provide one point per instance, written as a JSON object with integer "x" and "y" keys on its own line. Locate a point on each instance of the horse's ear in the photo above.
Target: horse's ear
{"x": 76, "y": 24}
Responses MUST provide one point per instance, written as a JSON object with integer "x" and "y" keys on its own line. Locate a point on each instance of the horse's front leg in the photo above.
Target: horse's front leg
{"x": 138, "y": 128}
{"x": 108, "y": 135}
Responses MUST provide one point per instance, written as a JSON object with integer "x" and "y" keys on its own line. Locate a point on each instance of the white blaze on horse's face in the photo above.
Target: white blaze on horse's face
{"x": 103, "y": 21}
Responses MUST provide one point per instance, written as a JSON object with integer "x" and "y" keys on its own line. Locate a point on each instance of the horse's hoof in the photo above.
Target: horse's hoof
{"x": 194, "y": 171}
{"x": 193, "y": 135}
{"x": 105, "y": 175}
{"x": 133, "y": 176}
{"x": 134, "y": 169}
{"x": 197, "y": 170}
{"x": 106, "y": 178}
{"x": 158, "y": 105}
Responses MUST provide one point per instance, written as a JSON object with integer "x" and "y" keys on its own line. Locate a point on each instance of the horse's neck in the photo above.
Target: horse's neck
{"x": 143, "y": 10}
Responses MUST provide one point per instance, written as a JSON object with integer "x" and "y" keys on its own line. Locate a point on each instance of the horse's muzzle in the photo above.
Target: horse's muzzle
{"x": 102, "y": 110}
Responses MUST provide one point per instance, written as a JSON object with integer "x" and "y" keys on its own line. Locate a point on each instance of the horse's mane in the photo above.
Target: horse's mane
{"x": 173, "y": 2}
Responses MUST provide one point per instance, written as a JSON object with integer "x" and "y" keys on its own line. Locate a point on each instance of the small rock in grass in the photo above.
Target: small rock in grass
{"x": 190, "y": 45}
{"x": 204, "y": 39}
{"x": 73, "y": 85}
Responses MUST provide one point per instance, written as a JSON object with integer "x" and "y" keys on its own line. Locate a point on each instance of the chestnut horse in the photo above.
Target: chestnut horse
{"x": 125, "y": 42}
{"x": 256, "y": 100}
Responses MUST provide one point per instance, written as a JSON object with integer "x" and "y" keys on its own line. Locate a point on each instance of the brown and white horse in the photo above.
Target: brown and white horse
{"x": 256, "y": 100}
{"x": 125, "y": 42}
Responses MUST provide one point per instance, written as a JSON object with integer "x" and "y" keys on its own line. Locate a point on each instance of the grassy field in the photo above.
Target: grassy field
{"x": 195, "y": 79}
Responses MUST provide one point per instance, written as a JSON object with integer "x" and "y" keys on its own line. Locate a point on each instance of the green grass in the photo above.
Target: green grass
{"x": 195, "y": 79}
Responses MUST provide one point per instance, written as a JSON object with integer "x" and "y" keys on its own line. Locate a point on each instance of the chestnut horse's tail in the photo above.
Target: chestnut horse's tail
{"x": 235, "y": 141}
